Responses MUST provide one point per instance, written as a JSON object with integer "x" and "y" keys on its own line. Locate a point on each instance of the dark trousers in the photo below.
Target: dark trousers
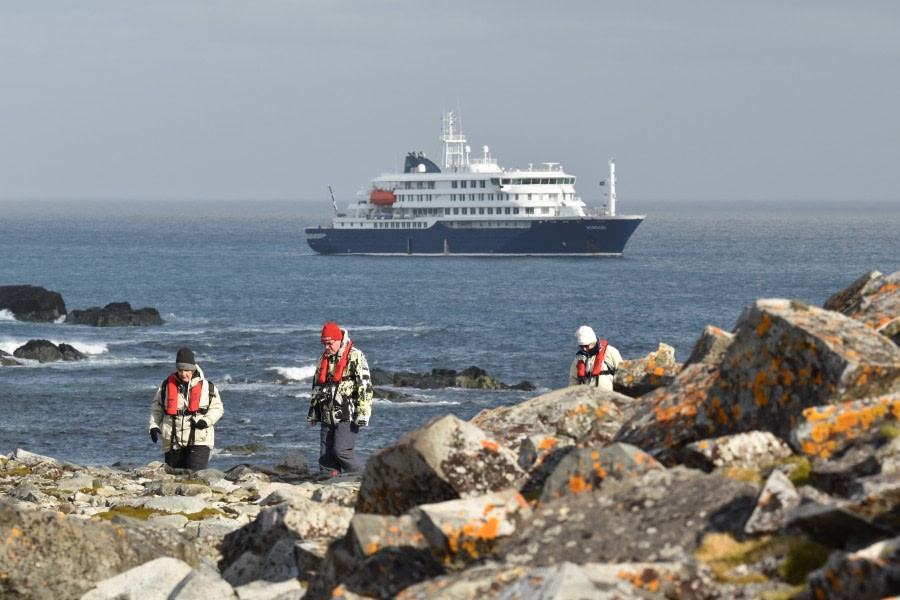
{"x": 337, "y": 447}
{"x": 194, "y": 458}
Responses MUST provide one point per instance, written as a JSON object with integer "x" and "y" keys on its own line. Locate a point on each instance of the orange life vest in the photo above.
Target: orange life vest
{"x": 598, "y": 363}
{"x": 172, "y": 396}
{"x": 338, "y": 369}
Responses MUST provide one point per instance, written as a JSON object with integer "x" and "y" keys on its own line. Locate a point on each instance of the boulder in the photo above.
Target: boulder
{"x": 873, "y": 300}
{"x": 45, "y": 555}
{"x": 45, "y": 351}
{"x": 32, "y": 303}
{"x": 115, "y": 314}
{"x": 7, "y": 361}
{"x": 586, "y": 469}
{"x": 470, "y": 378}
{"x": 773, "y": 505}
{"x": 710, "y": 347}
{"x": 569, "y": 412}
{"x": 750, "y": 450}
{"x": 872, "y": 573}
{"x": 658, "y": 516}
{"x": 821, "y": 431}
{"x": 164, "y": 577}
{"x": 639, "y": 376}
{"x": 786, "y": 357}
{"x": 445, "y": 459}
{"x": 837, "y": 527}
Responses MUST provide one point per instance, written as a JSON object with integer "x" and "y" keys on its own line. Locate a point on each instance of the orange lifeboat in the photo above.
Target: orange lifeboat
{"x": 382, "y": 197}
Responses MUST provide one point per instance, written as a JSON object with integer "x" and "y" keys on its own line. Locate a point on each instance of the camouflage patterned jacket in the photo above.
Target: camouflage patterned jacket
{"x": 347, "y": 400}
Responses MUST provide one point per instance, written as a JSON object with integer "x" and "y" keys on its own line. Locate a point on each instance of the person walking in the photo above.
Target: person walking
{"x": 184, "y": 412}
{"x": 341, "y": 400}
{"x": 595, "y": 362}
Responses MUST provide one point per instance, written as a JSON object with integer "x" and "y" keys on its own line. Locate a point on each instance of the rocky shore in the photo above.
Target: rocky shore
{"x": 767, "y": 466}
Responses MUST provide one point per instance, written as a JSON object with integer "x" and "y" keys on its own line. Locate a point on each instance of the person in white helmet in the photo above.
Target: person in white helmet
{"x": 596, "y": 361}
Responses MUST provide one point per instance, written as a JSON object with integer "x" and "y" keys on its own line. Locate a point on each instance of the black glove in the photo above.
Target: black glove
{"x": 361, "y": 422}
{"x": 154, "y": 434}
{"x": 201, "y": 424}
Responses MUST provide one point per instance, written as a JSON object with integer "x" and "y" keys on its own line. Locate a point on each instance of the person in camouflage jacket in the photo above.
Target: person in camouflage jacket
{"x": 341, "y": 400}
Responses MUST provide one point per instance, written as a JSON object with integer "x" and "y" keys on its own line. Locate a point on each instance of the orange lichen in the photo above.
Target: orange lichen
{"x": 764, "y": 325}
{"x": 491, "y": 445}
{"x": 577, "y": 484}
{"x": 547, "y": 443}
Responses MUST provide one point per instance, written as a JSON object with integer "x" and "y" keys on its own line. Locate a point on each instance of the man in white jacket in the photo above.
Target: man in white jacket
{"x": 183, "y": 412}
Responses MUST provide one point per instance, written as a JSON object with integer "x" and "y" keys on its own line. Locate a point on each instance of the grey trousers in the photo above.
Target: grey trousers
{"x": 337, "y": 447}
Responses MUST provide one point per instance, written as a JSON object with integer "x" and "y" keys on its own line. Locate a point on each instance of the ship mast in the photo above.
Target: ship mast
{"x": 454, "y": 143}
{"x": 612, "y": 187}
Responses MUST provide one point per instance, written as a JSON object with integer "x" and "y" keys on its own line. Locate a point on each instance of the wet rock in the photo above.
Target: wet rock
{"x": 639, "y": 376}
{"x": 445, "y": 459}
{"x": 115, "y": 314}
{"x": 45, "y": 351}
{"x": 32, "y": 303}
{"x": 7, "y": 361}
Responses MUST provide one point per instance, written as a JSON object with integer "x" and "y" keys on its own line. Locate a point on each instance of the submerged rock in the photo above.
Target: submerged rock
{"x": 115, "y": 314}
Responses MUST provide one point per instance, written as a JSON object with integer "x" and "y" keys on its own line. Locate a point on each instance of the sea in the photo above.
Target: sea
{"x": 236, "y": 282}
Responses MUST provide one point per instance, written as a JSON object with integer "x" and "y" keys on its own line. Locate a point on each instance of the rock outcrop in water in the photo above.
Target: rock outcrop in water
{"x": 115, "y": 314}
{"x": 766, "y": 467}
{"x": 32, "y": 303}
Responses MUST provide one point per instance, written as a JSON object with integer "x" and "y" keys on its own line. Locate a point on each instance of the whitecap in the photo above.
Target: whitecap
{"x": 60, "y": 319}
{"x": 295, "y": 373}
{"x": 85, "y": 347}
{"x": 6, "y": 315}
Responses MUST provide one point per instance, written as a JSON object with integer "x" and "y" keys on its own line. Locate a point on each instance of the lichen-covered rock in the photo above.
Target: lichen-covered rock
{"x": 460, "y": 532}
{"x": 873, "y": 299}
{"x": 821, "y": 431}
{"x": 636, "y": 377}
{"x": 568, "y": 412}
{"x": 750, "y": 450}
{"x": 658, "y": 516}
{"x": 870, "y": 574}
{"x": 445, "y": 459}
{"x": 163, "y": 577}
{"x": 773, "y": 506}
{"x": 786, "y": 356}
{"x": 710, "y": 347}
{"x": 585, "y": 469}
{"x": 837, "y": 527}
{"x": 46, "y": 555}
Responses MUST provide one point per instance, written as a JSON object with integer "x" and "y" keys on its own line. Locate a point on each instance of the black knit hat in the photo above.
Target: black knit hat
{"x": 185, "y": 361}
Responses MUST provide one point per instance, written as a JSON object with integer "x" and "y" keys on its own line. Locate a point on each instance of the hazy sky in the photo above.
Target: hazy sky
{"x": 277, "y": 99}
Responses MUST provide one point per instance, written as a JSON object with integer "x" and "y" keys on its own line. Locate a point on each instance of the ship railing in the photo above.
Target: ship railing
{"x": 596, "y": 211}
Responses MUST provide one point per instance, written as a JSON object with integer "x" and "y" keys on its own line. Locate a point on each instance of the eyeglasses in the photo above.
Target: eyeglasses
{"x": 329, "y": 342}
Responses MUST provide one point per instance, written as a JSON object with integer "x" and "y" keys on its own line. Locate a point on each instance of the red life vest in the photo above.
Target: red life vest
{"x": 338, "y": 369}
{"x": 172, "y": 396}
{"x": 598, "y": 362}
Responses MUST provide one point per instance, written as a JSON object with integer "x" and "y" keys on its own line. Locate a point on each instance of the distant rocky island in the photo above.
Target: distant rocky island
{"x": 766, "y": 466}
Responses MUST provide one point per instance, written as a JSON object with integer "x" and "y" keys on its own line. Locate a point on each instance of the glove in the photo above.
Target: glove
{"x": 362, "y": 422}
{"x": 201, "y": 424}
{"x": 154, "y": 434}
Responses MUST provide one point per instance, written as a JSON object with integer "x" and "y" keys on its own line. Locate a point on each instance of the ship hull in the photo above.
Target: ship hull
{"x": 605, "y": 236}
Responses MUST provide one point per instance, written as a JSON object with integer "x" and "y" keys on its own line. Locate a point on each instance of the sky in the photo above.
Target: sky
{"x": 278, "y": 99}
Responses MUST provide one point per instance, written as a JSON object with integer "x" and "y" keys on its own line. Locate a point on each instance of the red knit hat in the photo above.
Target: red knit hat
{"x": 331, "y": 332}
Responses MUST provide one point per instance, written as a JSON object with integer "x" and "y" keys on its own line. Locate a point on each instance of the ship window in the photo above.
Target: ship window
{"x": 420, "y": 185}
{"x": 545, "y": 211}
{"x": 465, "y": 210}
{"x": 481, "y": 210}
{"x": 453, "y": 184}
{"x": 462, "y": 184}
{"x": 481, "y": 183}
{"x": 506, "y": 210}
{"x": 430, "y": 185}
{"x": 455, "y": 211}
{"x": 515, "y": 210}
{"x": 495, "y": 181}
{"x": 490, "y": 210}
{"x": 545, "y": 181}
{"x": 472, "y": 197}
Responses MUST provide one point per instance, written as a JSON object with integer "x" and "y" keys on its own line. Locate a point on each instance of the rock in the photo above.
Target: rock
{"x": 773, "y": 506}
{"x": 870, "y": 574}
{"x": 837, "y": 527}
{"x": 873, "y": 300}
{"x": 825, "y": 430}
{"x": 569, "y": 412}
{"x": 115, "y": 314}
{"x": 639, "y": 376}
{"x": 658, "y": 516}
{"x": 710, "y": 347}
{"x": 32, "y": 303}
{"x": 45, "y": 351}
{"x": 445, "y": 459}
{"x": 45, "y": 555}
{"x": 586, "y": 469}
{"x": 786, "y": 356}
{"x": 750, "y": 450}
{"x": 470, "y": 378}
{"x": 164, "y": 577}
{"x": 7, "y": 361}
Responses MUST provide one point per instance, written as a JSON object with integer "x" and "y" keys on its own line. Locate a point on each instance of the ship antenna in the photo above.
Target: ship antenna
{"x": 612, "y": 187}
{"x": 333, "y": 202}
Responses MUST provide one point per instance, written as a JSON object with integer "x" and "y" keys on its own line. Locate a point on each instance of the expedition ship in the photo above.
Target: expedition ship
{"x": 472, "y": 207}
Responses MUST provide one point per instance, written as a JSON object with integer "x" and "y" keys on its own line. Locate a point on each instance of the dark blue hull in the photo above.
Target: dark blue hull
{"x": 604, "y": 236}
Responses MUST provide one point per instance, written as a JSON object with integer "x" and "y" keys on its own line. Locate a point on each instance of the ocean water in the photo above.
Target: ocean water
{"x": 236, "y": 282}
